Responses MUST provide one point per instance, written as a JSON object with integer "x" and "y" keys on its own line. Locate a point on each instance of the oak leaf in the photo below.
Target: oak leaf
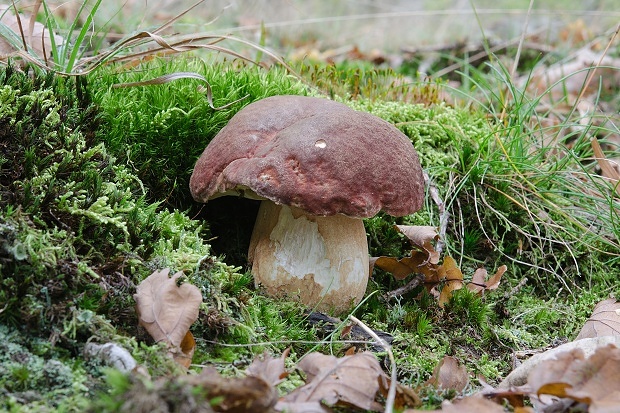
{"x": 167, "y": 310}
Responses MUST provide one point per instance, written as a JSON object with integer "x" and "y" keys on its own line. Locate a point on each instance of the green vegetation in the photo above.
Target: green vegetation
{"x": 94, "y": 197}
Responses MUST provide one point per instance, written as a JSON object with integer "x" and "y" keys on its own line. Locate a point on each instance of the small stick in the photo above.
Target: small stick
{"x": 443, "y": 214}
{"x": 416, "y": 281}
{"x": 389, "y": 401}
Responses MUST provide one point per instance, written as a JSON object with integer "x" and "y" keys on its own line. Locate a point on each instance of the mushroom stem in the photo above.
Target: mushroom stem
{"x": 322, "y": 260}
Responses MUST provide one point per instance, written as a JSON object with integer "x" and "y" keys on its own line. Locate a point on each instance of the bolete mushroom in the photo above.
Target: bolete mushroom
{"x": 319, "y": 167}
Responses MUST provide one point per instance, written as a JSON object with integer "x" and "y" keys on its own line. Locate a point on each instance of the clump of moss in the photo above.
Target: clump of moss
{"x": 77, "y": 232}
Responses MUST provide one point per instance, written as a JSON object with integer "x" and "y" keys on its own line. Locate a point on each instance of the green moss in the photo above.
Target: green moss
{"x": 77, "y": 234}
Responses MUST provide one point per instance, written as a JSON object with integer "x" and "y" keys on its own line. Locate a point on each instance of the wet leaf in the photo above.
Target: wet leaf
{"x": 449, "y": 374}
{"x": 595, "y": 380}
{"x": 605, "y": 320}
{"x": 349, "y": 380}
{"x": 165, "y": 309}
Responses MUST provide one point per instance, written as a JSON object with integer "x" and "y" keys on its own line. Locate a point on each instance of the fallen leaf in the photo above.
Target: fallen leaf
{"x": 594, "y": 381}
{"x": 479, "y": 284}
{"x": 453, "y": 277}
{"x": 607, "y": 166}
{"x": 519, "y": 376}
{"x": 269, "y": 369}
{"x": 184, "y": 353}
{"x": 449, "y": 374}
{"x": 349, "y": 380}
{"x": 471, "y": 404}
{"x": 422, "y": 237}
{"x": 567, "y": 79}
{"x": 401, "y": 268}
{"x": 235, "y": 394}
{"x": 39, "y": 39}
{"x": 167, "y": 310}
{"x": 604, "y": 321}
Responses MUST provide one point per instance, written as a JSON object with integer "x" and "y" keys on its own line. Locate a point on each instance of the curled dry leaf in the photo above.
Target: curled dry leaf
{"x": 450, "y": 272}
{"x": 595, "y": 380}
{"x": 479, "y": 284}
{"x": 447, "y": 273}
{"x": 167, "y": 310}
{"x": 349, "y": 380}
{"x": 422, "y": 237}
{"x": 449, "y": 374}
{"x": 401, "y": 268}
{"x": 269, "y": 369}
{"x": 605, "y": 320}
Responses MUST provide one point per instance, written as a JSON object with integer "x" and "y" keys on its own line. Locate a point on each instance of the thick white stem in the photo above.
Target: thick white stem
{"x": 320, "y": 261}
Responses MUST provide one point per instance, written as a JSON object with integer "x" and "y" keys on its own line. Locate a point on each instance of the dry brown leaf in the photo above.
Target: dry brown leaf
{"x": 184, "y": 353}
{"x": 38, "y": 39}
{"x": 450, "y": 272}
{"x": 401, "y": 268}
{"x": 607, "y": 167}
{"x": 350, "y": 380}
{"x": 235, "y": 394}
{"x": 269, "y": 369}
{"x": 449, "y": 374}
{"x": 479, "y": 284}
{"x": 605, "y": 320}
{"x": 422, "y": 237}
{"x": 471, "y": 404}
{"x": 567, "y": 79}
{"x": 589, "y": 346}
{"x": 595, "y": 380}
{"x": 165, "y": 309}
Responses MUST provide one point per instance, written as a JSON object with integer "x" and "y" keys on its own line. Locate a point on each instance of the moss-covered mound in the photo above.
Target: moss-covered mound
{"x": 76, "y": 229}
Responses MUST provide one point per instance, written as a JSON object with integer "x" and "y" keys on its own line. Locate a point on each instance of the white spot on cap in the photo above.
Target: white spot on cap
{"x": 320, "y": 144}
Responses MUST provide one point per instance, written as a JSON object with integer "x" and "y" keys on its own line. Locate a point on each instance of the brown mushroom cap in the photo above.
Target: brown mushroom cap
{"x": 314, "y": 154}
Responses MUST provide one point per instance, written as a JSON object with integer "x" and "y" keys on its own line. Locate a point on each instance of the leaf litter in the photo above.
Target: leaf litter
{"x": 424, "y": 260}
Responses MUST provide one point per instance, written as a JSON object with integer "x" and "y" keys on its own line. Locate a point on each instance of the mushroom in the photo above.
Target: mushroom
{"x": 319, "y": 167}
